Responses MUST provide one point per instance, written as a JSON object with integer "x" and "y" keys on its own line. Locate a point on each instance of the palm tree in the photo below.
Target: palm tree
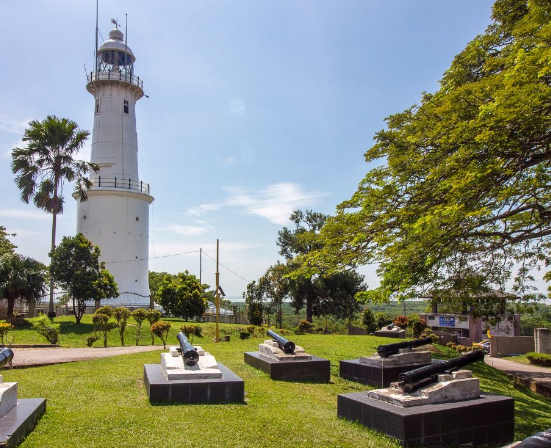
{"x": 45, "y": 164}
{"x": 20, "y": 278}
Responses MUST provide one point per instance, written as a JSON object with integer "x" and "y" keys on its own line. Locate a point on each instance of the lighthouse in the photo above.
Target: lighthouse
{"x": 116, "y": 215}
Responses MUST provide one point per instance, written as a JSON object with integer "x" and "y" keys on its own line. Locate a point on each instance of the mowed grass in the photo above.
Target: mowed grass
{"x": 73, "y": 335}
{"x": 103, "y": 403}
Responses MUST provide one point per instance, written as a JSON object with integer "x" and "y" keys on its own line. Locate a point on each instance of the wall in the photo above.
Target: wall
{"x": 542, "y": 340}
{"x": 510, "y": 345}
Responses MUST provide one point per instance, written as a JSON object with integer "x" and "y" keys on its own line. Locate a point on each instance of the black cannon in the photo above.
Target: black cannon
{"x": 188, "y": 352}
{"x": 287, "y": 346}
{"x": 423, "y": 376}
{"x": 392, "y": 349}
{"x": 6, "y": 355}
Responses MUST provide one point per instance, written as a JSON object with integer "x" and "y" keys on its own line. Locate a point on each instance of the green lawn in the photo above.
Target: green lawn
{"x": 103, "y": 403}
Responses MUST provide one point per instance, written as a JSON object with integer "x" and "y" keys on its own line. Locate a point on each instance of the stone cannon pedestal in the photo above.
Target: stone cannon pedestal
{"x": 207, "y": 381}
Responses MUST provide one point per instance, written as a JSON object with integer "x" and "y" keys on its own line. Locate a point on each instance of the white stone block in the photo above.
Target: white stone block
{"x": 8, "y": 397}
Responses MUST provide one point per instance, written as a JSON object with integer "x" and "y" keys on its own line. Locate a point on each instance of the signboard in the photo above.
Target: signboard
{"x": 446, "y": 321}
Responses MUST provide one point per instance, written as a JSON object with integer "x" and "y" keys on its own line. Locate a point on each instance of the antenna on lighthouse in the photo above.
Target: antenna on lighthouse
{"x": 97, "y": 31}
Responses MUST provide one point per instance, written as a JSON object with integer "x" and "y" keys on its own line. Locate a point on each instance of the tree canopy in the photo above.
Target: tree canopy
{"x": 42, "y": 167}
{"x": 76, "y": 267}
{"x": 460, "y": 183}
{"x": 182, "y": 295}
{"x": 6, "y": 246}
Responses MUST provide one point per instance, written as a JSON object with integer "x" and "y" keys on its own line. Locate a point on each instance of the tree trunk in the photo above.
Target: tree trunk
{"x": 51, "y": 311}
{"x": 309, "y": 307}
{"x": 11, "y": 305}
{"x": 96, "y": 304}
{"x": 32, "y": 303}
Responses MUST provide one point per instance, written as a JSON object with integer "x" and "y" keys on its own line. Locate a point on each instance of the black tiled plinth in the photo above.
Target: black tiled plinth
{"x": 373, "y": 376}
{"x": 488, "y": 420}
{"x": 228, "y": 388}
{"x": 20, "y": 421}
{"x": 315, "y": 369}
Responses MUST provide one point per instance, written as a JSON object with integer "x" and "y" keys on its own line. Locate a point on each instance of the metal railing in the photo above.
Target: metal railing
{"x": 115, "y": 76}
{"x": 121, "y": 182}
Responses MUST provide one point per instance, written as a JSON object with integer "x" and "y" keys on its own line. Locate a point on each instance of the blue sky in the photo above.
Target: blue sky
{"x": 256, "y": 108}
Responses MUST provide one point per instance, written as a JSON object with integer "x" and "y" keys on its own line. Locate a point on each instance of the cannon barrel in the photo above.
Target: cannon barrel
{"x": 415, "y": 379}
{"x": 190, "y": 355}
{"x": 6, "y": 355}
{"x": 287, "y": 346}
{"x": 392, "y": 349}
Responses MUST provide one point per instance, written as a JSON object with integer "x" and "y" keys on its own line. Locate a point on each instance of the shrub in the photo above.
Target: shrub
{"x": 251, "y": 329}
{"x": 461, "y": 348}
{"x": 369, "y": 321}
{"x": 189, "y": 330}
{"x": 382, "y": 320}
{"x": 244, "y": 335}
{"x": 44, "y": 326}
{"x": 539, "y": 359}
{"x": 139, "y": 316}
{"x": 121, "y": 314}
{"x": 152, "y": 317}
{"x": 401, "y": 321}
{"x": 101, "y": 321}
{"x": 90, "y": 339}
{"x": 306, "y": 327}
{"x": 161, "y": 329}
{"x": 417, "y": 325}
{"x": 107, "y": 310}
{"x": 5, "y": 336}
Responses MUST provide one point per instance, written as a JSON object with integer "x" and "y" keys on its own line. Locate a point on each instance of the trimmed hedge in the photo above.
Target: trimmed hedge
{"x": 539, "y": 359}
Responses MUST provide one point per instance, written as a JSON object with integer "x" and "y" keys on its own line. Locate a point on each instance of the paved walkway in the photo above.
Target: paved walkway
{"x": 535, "y": 378}
{"x": 34, "y": 357}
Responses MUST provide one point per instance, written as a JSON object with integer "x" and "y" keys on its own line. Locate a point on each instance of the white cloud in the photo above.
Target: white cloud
{"x": 12, "y": 126}
{"x": 187, "y": 230}
{"x": 25, "y": 214}
{"x": 203, "y": 209}
{"x": 275, "y": 202}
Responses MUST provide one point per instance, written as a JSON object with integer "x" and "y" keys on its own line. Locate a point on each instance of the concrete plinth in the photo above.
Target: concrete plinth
{"x": 315, "y": 369}
{"x": 20, "y": 421}
{"x": 374, "y": 375}
{"x": 487, "y": 420}
{"x": 229, "y": 387}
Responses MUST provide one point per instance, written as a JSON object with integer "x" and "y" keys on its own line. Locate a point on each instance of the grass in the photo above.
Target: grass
{"x": 103, "y": 403}
{"x": 73, "y": 335}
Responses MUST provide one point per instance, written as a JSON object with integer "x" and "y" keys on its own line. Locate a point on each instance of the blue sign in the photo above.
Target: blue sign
{"x": 445, "y": 321}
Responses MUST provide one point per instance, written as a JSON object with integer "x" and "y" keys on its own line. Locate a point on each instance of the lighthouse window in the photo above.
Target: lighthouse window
{"x": 125, "y": 108}
{"x": 137, "y": 218}
{"x": 97, "y": 106}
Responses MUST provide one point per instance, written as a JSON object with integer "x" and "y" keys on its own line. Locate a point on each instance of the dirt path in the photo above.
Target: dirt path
{"x": 33, "y": 357}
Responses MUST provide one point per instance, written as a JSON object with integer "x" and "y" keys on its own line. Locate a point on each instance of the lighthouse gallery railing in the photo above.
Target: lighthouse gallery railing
{"x": 115, "y": 76}
{"x": 121, "y": 182}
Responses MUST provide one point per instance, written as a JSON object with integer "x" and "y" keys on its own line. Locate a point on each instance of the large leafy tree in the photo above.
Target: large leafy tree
{"x": 459, "y": 184}
{"x": 275, "y": 286}
{"x": 337, "y": 295}
{"x": 76, "y": 267}
{"x": 42, "y": 167}
{"x": 20, "y": 278}
{"x": 254, "y": 298}
{"x": 298, "y": 242}
{"x": 182, "y": 296}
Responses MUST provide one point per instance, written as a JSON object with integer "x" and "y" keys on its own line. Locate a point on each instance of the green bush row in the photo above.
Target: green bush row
{"x": 540, "y": 359}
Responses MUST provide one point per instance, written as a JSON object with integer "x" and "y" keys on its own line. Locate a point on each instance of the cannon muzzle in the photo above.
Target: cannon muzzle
{"x": 287, "y": 346}
{"x": 188, "y": 352}
{"x": 6, "y": 355}
{"x": 423, "y": 376}
{"x": 392, "y": 349}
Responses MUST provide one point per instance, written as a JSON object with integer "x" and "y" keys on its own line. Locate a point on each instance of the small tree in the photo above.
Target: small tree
{"x": 382, "y": 319}
{"x": 44, "y": 326}
{"x": 76, "y": 267}
{"x": 101, "y": 321}
{"x": 369, "y": 321}
{"x": 417, "y": 325}
{"x": 139, "y": 316}
{"x": 161, "y": 329}
{"x": 182, "y": 296}
{"x": 5, "y": 328}
{"x": 153, "y": 316}
{"x": 121, "y": 315}
{"x": 253, "y": 298}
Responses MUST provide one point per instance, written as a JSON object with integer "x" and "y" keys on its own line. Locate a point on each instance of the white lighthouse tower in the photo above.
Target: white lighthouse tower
{"x": 116, "y": 215}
